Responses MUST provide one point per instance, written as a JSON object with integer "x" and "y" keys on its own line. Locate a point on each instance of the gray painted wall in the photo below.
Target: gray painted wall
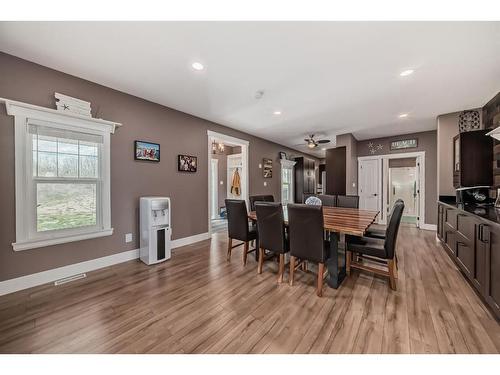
{"x": 177, "y": 132}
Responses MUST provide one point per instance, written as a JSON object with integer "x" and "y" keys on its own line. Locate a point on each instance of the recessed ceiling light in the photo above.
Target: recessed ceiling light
{"x": 197, "y": 66}
{"x": 407, "y": 72}
{"x": 403, "y": 115}
{"x": 277, "y": 113}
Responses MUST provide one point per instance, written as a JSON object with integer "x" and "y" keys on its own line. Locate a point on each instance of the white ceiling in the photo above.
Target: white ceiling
{"x": 327, "y": 78}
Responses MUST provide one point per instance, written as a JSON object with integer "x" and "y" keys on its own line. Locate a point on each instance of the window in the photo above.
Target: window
{"x": 62, "y": 176}
{"x": 287, "y": 181}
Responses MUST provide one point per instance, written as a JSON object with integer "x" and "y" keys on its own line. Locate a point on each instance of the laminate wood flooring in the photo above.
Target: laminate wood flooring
{"x": 199, "y": 303}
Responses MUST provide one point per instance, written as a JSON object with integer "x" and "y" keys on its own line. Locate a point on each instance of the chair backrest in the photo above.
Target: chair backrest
{"x": 305, "y": 196}
{"x": 348, "y": 201}
{"x": 259, "y": 198}
{"x": 391, "y": 233}
{"x": 271, "y": 226}
{"x": 237, "y": 219}
{"x": 328, "y": 200}
{"x": 305, "y": 231}
{"x": 313, "y": 201}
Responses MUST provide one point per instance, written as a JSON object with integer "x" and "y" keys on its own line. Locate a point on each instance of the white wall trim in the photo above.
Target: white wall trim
{"x": 44, "y": 277}
{"x": 190, "y": 240}
{"x": 428, "y": 226}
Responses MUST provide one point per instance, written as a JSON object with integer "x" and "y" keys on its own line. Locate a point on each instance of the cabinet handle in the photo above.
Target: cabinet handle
{"x": 461, "y": 243}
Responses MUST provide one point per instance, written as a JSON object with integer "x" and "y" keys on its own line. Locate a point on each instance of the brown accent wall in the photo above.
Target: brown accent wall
{"x": 177, "y": 133}
{"x": 351, "y": 173}
{"x": 427, "y": 141}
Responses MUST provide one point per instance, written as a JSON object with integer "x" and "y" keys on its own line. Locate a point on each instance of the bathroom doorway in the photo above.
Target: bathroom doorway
{"x": 403, "y": 185}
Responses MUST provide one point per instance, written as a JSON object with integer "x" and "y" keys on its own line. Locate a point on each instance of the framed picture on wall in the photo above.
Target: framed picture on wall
{"x": 267, "y": 168}
{"x": 147, "y": 151}
{"x": 187, "y": 163}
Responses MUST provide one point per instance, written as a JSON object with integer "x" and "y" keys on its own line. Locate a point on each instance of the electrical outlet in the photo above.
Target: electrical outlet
{"x": 222, "y": 182}
{"x": 128, "y": 237}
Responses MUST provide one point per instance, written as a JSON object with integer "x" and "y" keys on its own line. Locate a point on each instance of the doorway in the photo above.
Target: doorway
{"x": 227, "y": 156}
{"x": 403, "y": 184}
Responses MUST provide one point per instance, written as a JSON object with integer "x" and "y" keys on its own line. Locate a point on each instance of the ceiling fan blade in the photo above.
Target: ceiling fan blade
{"x": 323, "y": 141}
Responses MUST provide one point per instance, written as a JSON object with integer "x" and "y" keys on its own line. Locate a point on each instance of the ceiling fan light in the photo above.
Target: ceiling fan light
{"x": 311, "y": 145}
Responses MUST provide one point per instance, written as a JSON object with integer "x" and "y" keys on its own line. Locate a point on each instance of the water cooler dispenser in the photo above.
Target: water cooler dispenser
{"x": 155, "y": 229}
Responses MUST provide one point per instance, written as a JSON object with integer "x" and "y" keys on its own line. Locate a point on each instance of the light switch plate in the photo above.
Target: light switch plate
{"x": 222, "y": 182}
{"x": 265, "y": 183}
{"x": 128, "y": 237}
{"x": 260, "y": 166}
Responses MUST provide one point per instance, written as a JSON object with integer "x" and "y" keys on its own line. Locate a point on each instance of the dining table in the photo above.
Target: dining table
{"x": 338, "y": 222}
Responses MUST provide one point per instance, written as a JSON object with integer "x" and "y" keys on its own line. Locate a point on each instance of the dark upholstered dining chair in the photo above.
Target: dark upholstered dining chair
{"x": 380, "y": 233}
{"x": 348, "y": 201}
{"x": 272, "y": 235}
{"x": 238, "y": 227}
{"x": 305, "y": 230}
{"x": 378, "y": 250}
{"x": 259, "y": 198}
{"x": 328, "y": 200}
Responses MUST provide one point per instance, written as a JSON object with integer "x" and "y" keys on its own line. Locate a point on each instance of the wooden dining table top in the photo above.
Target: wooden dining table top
{"x": 351, "y": 221}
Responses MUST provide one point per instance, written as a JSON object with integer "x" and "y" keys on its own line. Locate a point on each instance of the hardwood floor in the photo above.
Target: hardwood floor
{"x": 199, "y": 303}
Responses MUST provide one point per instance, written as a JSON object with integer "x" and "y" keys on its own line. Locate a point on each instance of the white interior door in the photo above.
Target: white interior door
{"x": 369, "y": 184}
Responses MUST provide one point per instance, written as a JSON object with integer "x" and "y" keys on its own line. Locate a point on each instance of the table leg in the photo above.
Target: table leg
{"x": 336, "y": 271}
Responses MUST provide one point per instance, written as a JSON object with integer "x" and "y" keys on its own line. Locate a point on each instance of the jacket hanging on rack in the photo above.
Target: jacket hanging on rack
{"x": 236, "y": 183}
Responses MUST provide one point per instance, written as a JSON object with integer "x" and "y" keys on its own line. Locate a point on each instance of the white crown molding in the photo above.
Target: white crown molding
{"x": 15, "y": 108}
{"x": 287, "y": 163}
{"x": 44, "y": 277}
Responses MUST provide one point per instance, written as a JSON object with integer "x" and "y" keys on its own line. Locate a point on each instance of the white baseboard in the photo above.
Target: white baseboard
{"x": 428, "y": 227}
{"x": 44, "y": 277}
{"x": 190, "y": 240}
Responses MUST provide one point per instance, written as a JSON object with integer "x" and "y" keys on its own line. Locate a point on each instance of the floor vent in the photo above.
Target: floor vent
{"x": 70, "y": 278}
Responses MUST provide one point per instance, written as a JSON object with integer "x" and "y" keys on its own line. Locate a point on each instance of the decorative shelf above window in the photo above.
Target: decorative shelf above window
{"x": 62, "y": 164}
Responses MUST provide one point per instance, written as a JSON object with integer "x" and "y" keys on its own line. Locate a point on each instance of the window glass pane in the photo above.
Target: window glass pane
{"x": 47, "y": 164}
{"x": 67, "y": 146}
{"x": 88, "y": 166}
{"x": 64, "y": 206}
{"x": 67, "y": 165}
{"x": 35, "y": 163}
{"x": 88, "y": 148}
{"x": 47, "y": 143}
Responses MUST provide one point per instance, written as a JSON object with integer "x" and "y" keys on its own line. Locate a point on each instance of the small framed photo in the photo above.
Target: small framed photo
{"x": 147, "y": 151}
{"x": 187, "y": 163}
{"x": 268, "y": 168}
{"x": 282, "y": 155}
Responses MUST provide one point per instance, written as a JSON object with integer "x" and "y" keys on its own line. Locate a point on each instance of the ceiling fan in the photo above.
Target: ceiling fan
{"x": 313, "y": 143}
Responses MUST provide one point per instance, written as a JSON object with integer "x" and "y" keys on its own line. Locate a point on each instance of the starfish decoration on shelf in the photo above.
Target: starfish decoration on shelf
{"x": 65, "y": 106}
{"x": 370, "y": 145}
{"x": 372, "y": 151}
{"x": 379, "y": 147}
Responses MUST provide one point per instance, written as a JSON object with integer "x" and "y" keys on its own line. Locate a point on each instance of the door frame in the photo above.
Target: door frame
{"x": 212, "y": 181}
{"x": 384, "y": 173}
{"x": 230, "y": 141}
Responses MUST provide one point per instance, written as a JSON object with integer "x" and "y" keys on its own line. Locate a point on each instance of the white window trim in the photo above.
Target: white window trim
{"x": 24, "y": 113}
{"x": 288, "y": 164}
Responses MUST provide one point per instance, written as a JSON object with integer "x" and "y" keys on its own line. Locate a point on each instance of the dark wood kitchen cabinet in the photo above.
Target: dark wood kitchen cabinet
{"x": 473, "y": 243}
{"x": 472, "y": 159}
{"x": 305, "y": 178}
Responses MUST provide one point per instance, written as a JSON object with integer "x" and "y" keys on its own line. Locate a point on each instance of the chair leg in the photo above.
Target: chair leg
{"x": 281, "y": 268}
{"x": 395, "y": 267}
{"x": 292, "y": 269}
{"x": 245, "y": 253}
{"x": 229, "y": 248}
{"x": 304, "y": 265}
{"x": 261, "y": 260}
{"x": 321, "y": 271}
{"x": 392, "y": 279}
{"x": 348, "y": 260}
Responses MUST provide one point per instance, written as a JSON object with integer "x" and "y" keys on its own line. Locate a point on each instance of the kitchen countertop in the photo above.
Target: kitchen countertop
{"x": 486, "y": 212}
